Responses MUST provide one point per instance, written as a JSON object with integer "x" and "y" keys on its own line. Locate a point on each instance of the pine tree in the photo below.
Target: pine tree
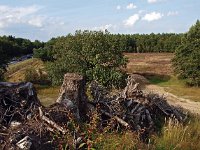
{"x": 187, "y": 57}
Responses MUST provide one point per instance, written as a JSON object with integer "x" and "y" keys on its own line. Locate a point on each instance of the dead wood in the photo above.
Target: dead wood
{"x": 73, "y": 89}
{"x": 26, "y": 124}
{"x": 132, "y": 108}
{"x": 51, "y": 123}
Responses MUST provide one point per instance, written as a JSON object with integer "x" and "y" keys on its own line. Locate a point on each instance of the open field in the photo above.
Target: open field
{"x": 150, "y": 63}
{"x": 157, "y": 68}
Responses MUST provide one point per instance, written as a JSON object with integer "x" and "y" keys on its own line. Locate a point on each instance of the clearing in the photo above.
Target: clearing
{"x": 157, "y": 68}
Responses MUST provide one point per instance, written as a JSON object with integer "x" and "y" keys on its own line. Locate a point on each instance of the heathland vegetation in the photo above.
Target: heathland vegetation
{"x": 100, "y": 56}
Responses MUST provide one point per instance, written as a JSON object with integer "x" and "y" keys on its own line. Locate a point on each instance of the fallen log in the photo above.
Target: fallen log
{"x": 51, "y": 123}
{"x": 121, "y": 121}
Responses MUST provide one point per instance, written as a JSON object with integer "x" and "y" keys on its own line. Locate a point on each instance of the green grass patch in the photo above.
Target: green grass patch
{"x": 158, "y": 79}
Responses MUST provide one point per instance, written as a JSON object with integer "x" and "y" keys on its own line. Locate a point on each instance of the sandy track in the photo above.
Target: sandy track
{"x": 172, "y": 99}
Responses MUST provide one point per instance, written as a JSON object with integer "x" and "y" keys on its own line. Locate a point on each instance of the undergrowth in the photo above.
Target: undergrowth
{"x": 173, "y": 136}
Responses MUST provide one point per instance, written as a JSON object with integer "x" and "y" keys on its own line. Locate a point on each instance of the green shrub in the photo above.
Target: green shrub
{"x": 187, "y": 57}
{"x": 93, "y": 54}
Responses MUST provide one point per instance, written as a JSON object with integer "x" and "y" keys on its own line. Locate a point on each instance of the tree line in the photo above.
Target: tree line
{"x": 132, "y": 43}
{"x": 99, "y": 55}
{"x": 14, "y": 47}
{"x": 147, "y": 43}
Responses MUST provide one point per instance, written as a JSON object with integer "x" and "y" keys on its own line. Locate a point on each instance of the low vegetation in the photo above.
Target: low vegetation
{"x": 157, "y": 68}
{"x": 173, "y": 135}
{"x": 177, "y": 87}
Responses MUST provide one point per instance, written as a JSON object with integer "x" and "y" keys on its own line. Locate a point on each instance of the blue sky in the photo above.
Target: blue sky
{"x": 44, "y": 19}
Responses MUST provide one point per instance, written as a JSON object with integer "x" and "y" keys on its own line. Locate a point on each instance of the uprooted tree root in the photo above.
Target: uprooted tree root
{"x": 26, "y": 124}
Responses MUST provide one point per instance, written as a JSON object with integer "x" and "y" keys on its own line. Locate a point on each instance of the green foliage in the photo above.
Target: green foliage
{"x": 3, "y": 62}
{"x": 45, "y": 52}
{"x": 13, "y": 47}
{"x": 94, "y": 54}
{"x": 187, "y": 57}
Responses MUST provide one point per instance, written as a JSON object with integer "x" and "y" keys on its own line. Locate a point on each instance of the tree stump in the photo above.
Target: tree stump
{"x": 73, "y": 90}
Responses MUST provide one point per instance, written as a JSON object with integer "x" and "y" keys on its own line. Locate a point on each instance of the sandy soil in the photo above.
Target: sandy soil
{"x": 172, "y": 99}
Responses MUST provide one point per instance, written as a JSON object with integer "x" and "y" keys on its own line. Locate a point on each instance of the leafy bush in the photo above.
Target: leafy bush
{"x": 45, "y": 53}
{"x": 93, "y": 54}
{"x": 3, "y": 63}
{"x": 187, "y": 57}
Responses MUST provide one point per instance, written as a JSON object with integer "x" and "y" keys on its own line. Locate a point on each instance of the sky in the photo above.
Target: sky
{"x": 44, "y": 19}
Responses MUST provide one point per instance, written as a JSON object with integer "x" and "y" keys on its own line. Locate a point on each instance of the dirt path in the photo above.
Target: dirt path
{"x": 187, "y": 104}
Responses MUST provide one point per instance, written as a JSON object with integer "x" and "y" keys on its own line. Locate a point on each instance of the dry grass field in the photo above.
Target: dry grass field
{"x": 152, "y": 63}
{"x": 157, "y": 68}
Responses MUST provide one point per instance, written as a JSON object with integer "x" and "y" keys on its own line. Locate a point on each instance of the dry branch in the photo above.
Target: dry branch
{"x": 50, "y": 122}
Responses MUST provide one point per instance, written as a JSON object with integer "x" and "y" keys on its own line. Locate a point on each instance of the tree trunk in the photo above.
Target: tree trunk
{"x": 73, "y": 88}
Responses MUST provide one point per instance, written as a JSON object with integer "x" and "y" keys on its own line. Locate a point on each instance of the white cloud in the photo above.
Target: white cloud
{"x": 131, "y": 20}
{"x": 28, "y": 15}
{"x": 105, "y": 27}
{"x": 118, "y": 7}
{"x": 152, "y": 16}
{"x": 14, "y": 15}
{"x": 37, "y": 21}
{"x": 131, "y": 6}
{"x": 154, "y": 1}
{"x": 172, "y": 13}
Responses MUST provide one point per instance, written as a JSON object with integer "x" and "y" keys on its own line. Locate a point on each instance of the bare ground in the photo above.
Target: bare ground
{"x": 193, "y": 107}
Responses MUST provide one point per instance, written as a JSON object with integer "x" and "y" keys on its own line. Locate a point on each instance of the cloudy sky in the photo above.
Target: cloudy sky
{"x": 44, "y": 19}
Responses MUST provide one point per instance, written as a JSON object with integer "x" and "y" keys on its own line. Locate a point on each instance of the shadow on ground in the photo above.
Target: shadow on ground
{"x": 154, "y": 78}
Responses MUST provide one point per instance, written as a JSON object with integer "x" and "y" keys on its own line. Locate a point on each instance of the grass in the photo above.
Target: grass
{"x": 176, "y": 136}
{"x": 159, "y": 63}
{"x": 156, "y": 67}
{"x": 173, "y": 136}
{"x": 15, "y": 72}
{"x": 177, "y": 87}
